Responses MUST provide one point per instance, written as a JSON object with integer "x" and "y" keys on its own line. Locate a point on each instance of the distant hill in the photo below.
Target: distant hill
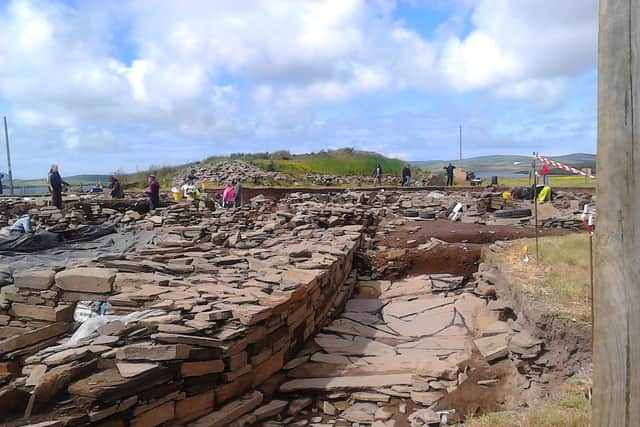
{"x": 512, "y": 163}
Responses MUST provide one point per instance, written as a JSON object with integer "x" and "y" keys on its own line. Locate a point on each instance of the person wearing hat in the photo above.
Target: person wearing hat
{"x": 153, "y": 193}
{"x": 116, "y": 188}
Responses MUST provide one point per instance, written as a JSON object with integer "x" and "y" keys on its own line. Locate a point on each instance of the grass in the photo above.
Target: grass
{"x": 554, "y": 181}
{"x": 570, "y": 409}
{"x": 164, "y": 175}
{"x": 338, "y": 162}
{"x": 560, "y": 281}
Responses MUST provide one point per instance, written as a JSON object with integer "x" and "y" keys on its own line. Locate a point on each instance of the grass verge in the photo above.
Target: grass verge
{"x": 554, "y": 181}
{"x": 571, "y": 408}
{"x": 560, "y": 280}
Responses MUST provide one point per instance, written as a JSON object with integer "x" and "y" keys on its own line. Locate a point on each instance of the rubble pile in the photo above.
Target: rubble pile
{"x": 486, "y": 207}
{"x": 224, "y": 171}
{"x": 89, "y": 210}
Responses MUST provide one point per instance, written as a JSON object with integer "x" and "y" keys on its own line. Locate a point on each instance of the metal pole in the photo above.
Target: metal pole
{"x": 461, "y": 145}
{"x": 535, "y": 205}
{"x": 6, "y": 138}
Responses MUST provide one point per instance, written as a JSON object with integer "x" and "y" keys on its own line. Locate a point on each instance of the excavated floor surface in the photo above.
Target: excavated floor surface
{"x": 405, "y": 350}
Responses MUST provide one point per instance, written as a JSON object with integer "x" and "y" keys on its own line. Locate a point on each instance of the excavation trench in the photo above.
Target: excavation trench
{"x": 418, "y": 342}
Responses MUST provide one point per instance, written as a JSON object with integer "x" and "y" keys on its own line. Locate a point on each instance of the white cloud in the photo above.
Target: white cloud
{"x": 543, "y": 94}
{"x": 523, "y": 47}
{"x": 94, "y": 73}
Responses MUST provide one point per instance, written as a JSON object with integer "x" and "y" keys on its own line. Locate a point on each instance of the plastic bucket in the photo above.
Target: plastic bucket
{"x": 177, "y": 196}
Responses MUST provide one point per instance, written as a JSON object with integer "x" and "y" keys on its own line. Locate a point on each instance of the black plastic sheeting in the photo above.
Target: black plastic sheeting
{"x": 43, "y": 240}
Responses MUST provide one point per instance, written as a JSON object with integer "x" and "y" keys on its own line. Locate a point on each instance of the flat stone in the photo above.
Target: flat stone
{"x": 423, "y": 324}
{"x": 86, "y": 279}
{"x": 363, "y": 305}
{"x": 402, "y": 309}
{"x": 493, "y": 347}
{"x": 34, "y": 279}
{"x": 269, "y": 410}
{"x": 358, "y": 346}
{"x": 346, "y": 382}
{"x": 370, "y": 397}
{"x": 437, "y": 369}
{"x": 230, "y": 411}
{"x": 360, "y": 413}
{"x": 130, "y": 370}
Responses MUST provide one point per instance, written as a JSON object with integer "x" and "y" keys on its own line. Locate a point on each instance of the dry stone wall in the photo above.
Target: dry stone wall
{"x": 199, "y": 320}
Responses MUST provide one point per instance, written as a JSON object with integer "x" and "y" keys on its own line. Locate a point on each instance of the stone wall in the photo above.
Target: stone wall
{"x": 200, "y": 321}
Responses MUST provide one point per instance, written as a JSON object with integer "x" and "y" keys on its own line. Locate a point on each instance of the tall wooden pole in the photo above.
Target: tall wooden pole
{"x": 616, "y": 347}
{"x": 6, "y": 139}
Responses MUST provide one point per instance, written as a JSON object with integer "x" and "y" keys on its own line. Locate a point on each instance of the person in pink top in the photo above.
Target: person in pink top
{"x": 228, "y": 196}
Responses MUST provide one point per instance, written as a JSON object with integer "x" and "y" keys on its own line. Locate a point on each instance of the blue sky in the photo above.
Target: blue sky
{"x": 103, "y": 86}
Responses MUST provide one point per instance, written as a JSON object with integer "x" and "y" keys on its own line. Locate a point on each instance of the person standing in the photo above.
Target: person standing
{"x": 55, "y": 183}
{"x": 449, "y": 170}
{"x": 237, "y": 190}
{"x": 1, "y": 178}
{"x": 116, "y": 188}
{"x": 153, "y": 193}
{"x": 406, "y": 176}
{"x": 377, "y": 174}
{"x": 228, "y": 196}
{"x": 545, "y": 175}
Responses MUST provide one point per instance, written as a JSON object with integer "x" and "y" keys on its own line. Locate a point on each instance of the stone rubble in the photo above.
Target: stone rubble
{"x": 225, "y": 302}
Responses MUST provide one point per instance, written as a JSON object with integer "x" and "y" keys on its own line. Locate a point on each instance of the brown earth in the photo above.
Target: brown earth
{"x": 442, "y": 229}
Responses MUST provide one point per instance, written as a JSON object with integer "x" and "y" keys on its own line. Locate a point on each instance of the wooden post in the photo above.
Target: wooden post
{"x": 616, "y": 348}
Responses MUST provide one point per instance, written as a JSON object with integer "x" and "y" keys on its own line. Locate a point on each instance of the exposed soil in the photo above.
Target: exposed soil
{"x": 568, "y": 344}
{"x": 471, "y": 398}
{"x": 423, "y": 231}
{"x": 459, "y": 259}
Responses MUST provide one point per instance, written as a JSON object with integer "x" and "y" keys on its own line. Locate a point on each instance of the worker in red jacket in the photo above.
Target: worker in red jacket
{"x": 545, "y": 175}
{"x": 153, "y": 193}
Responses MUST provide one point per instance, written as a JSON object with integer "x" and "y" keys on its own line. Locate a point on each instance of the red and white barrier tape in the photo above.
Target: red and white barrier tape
{"x": 562, "y": 166}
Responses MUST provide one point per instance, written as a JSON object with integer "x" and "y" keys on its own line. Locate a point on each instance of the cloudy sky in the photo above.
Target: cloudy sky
{"x": 102, "y": 85}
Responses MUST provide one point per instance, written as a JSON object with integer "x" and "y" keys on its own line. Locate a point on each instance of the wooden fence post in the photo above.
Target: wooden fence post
{"x": 616, "y": 348}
